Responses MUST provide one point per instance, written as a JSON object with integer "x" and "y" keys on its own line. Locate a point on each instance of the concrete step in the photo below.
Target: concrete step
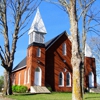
{"x": 94, "y": 90}
{"x": 46, "y": 90}
{"x": 39, "y": 89}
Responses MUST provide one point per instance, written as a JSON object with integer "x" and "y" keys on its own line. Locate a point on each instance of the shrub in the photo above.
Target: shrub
{"x": 19, "y": 89}
{"x": 14, "y": 88}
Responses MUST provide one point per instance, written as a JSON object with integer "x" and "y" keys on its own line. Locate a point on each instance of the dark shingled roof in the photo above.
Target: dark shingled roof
{"x": 21, "y": 65}
{"x": 48, "y": 44}
{"x": 52, "y": 41}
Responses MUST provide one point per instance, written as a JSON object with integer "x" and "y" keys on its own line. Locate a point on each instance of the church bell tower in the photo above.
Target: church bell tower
{"x": 36, "y": 51}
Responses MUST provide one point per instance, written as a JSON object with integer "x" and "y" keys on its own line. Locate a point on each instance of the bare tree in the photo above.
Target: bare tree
{"x": 85, "y": 6}
{"x": 14, "y": 18}
{"x": 76, "y": 57}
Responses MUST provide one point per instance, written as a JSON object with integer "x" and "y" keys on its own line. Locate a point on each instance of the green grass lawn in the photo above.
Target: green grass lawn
{"x": 53, "y": 96}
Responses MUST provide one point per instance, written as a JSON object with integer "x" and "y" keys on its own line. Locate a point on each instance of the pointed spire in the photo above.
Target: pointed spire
{"x": 37, "y": 24}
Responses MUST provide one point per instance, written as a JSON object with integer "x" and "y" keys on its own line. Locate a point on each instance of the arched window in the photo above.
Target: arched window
{"x": 61, "y": 79}
{"x": 38, "y": 76}
{"x": 28, "y": 76}
{"x": 64, "y": 49}
{"x": 38, "y": 52}
{"x": 37, "y": 69}
{"x": 68, "y": 80}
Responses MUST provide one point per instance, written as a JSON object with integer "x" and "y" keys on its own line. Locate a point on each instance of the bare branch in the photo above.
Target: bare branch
{"x": 65, "y": 4}
{"x": 50, "y": 1}
{"x": 4, "y": 21}
{"x": 84, "y": 7}
{"x": 80, "y": 15}
{"x": 2, "y": 58}
{"x": 90, "y": 3}
{"x": 94, "y": 32}
{"x": 23, "y": 33}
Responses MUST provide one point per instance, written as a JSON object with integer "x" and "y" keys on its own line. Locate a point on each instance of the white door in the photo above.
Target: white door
{"x": 91, "y": 80}
{"x": 37, "y": 79}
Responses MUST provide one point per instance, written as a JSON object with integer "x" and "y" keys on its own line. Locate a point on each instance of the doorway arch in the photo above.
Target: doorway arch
{"x": 38, "y": 76}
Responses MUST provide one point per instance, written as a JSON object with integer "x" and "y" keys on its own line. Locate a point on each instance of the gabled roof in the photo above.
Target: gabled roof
{"x": 21, "y": 65}
{"x": 52, "y": 41}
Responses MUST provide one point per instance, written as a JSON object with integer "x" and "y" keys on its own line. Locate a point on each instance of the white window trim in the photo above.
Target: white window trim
{"x": 61, "y": 85}
{"x": 25, "y": 77}
{"x": 28, "y": 80}
{"x": 69, "y": 80}
{"x": 62, "y": 79}
{"x": 19, "y": 78}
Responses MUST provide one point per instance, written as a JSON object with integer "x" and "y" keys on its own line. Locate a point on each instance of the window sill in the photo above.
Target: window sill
{"x": 61, "y": 85}
{"x": 68, "y": 86}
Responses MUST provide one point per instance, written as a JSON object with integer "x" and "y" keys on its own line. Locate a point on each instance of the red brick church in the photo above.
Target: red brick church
{"x": 49, "y": 64}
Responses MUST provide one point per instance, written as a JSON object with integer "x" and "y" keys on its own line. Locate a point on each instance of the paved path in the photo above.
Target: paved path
{"x": 3, "y": 98}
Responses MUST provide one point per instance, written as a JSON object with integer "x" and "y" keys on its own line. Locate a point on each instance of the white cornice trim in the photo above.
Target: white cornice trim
{"x": 19, "y": 68}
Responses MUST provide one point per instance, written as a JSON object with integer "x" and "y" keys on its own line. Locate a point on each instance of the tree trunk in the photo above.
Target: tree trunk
{"x": 76, "y": 58}
{"x": 9, "y": 88}
{"x": 7, "y": 83}
{"x": 83, "y": 53}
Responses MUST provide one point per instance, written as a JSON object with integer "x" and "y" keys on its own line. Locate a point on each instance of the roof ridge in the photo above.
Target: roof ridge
{"x": 52, "y": 41}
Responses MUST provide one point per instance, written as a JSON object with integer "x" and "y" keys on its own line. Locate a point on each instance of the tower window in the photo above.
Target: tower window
{"x": 38, "y": 52}
{"x": 39, "y": 38}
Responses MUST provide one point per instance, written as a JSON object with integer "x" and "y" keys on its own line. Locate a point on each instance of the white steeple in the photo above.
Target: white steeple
{"x": 37, "y": 30}
{"x": 88, "y": 51}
